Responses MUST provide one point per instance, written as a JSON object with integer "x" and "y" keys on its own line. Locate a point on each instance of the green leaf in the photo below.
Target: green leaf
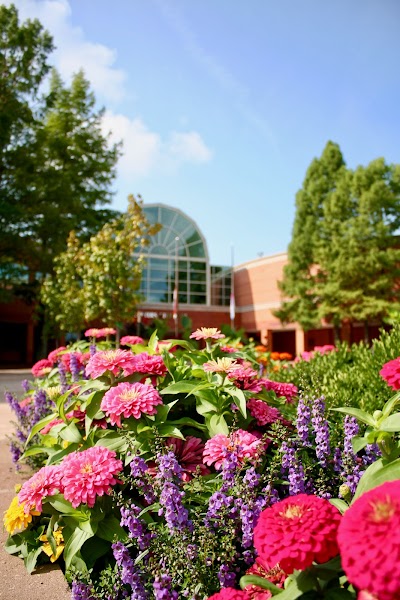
{"x": 238, "y": 398}
{"x": 390, "y": 404}
{"x": 189, "y": 422}
{"x": 59, "y": 454}
{"x": 64, "y": 507}
{"x": 180, "y": 387}
{"x": 33, "y": 450}
{"x": 265, "y": 584}
{"x": 113, "y": 441}
{"x": 216, "y": 424}
{"x": 60, "y": 405}
{"x": 74, "y": 543}
{"x": 153, "y": 341}
{"x": 109, "y": 528}
{"x": 31, "y": 560}
{"x": 376, "y": 474}
{"x": 71, "y": 433}
{"x": 167, "y": 430}
{"x": 39, "y": 425}
{"x": 361, "y": 415}
{"x": 391, "y": 423}
{"x": 341, "y": 505}
{"x": 298, "y": 583}
{"x": 358, "y": 443}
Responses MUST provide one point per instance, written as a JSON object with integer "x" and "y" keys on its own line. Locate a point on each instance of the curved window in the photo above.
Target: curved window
{"x": 179, "y": 251}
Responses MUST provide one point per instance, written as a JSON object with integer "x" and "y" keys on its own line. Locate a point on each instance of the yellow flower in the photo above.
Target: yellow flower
{"x": 15, "y": 519}
{"x": 59, "y": 545}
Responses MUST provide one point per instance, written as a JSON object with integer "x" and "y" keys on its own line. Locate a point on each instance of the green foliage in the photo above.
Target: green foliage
{"x": 343, "y": 257}
{"x": 56, "y": 166}
{"x": 99, "y": 280}
{"x": 348, "y": 376}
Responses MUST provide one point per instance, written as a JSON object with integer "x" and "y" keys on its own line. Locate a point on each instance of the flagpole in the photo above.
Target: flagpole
{"x": 232, "y": 296}
{"x": 176, "y": 289}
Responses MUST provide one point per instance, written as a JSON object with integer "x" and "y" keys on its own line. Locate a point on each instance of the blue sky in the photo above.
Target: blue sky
{"x": 223, "y": 104}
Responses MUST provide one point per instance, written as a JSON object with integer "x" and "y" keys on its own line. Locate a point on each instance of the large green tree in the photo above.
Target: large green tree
{"x": 298, "y": 286}
{"x": 56, "y": 166}
{"x": 344, "y": 258}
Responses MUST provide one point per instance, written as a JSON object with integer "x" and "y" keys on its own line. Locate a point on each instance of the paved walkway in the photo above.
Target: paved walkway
{"x": 47, "y": 582}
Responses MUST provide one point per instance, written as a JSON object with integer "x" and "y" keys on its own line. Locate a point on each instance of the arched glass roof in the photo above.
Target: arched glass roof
{"x": 169, "y": 260}
{"x": 175, "y": 223}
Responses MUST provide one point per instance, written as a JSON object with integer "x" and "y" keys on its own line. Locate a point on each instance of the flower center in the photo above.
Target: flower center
{"x": 129, "y": 395}
{"x": 382, "y": 510}
{"x": 86, "y": 468}
{"x": 292, "y": 512}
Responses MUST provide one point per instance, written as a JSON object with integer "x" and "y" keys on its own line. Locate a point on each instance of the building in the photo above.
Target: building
{"x": 179, "y": 285}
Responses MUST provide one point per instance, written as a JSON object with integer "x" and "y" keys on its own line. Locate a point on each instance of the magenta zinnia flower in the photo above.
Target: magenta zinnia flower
{"x": 297, "y": 531}
{"x": 88, "y": 474}
{"x": 189, "y": 453}
{"x": 145, "y": 363}
{"x": 130, "y": 400}
{"x": 245, "y": 444}
{"x": 229, "y": 594}
{"x": 92, "y": 332}
{"x": 46, "y": 482}
{"x": 207, "y": 333}
{"x": 285, "y": 390}
{"x": 262, "y": 412}
{"x": 42, "y": 367}
{"x": 369, "y": 536}
{"x": 391, "y": 373}
{"x": 108, "y": 360}
{"x": 131, "y": 340}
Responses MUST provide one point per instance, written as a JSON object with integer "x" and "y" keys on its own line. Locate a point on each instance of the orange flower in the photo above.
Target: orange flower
{"x": 275, "y": 355}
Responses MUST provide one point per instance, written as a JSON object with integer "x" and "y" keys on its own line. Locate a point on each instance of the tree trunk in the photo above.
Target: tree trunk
{"x": 336, "y": 333}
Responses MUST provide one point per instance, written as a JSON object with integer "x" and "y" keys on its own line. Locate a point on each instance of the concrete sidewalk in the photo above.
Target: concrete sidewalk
{"x": 47, "y": 582}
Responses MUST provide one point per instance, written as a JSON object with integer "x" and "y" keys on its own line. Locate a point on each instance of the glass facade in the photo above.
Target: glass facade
{"x": 179, "y": 251}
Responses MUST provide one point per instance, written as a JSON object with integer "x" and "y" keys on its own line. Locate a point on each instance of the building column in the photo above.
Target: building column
{"x": 265, "y": 338}
{"x": 299, "y": 341}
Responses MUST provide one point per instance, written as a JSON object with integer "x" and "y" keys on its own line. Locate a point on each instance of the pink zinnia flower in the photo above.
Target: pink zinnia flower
{"x": 229, "y": 594}
{"x": 54, "y": 354}
{"x": 26, "y": 401}
{"x": 391, "y": 373}
{"x": 285, "y": 390}
{"x": 42, "y": 367}
{"x": 324, "y": 349}
{"x": 92, "y": 332}
{"x": 46, "y": 482}
{"x": 228, "y": 349}
{"x": 130, "y": 400}
{"x": 221, "y": 365}
{"x": 207, "y": 333}
{"x": 262, "y": 412}
{"x": 245, "y": 444}
{"x": 108, "y": 360}
{"x": 145, "y": 363}
{"x": 131, "y": 340}
{"x": 105, "y": 331}
{"x": 261, "y": 569}
{"x": 80, "y": 359}
{"x": 89, "y": 474}
{"x": 297, "y": 531}
{"x": 189, "y": 454}
{"x": 369, "y": 541}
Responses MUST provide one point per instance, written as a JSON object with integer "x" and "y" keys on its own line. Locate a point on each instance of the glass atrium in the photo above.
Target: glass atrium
{"x": 179, "y": 250}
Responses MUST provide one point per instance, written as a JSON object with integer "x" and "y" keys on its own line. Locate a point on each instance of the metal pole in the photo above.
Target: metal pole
{"x": 232, "y": 297}
{"x": 176, "y": 289}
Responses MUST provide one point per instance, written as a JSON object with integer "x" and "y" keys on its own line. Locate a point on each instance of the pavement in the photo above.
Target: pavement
{"x": 47, "y": 582}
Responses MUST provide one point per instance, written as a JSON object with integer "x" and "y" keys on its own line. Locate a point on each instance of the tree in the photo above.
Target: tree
{"x": 360, "y": 266}
{"x": 61, "y": 293}
{"x": 99, "y": 280}
{"x": 56, "y": 166}
{"x": 299, "y": 278}
{"x": 344, "y": 258}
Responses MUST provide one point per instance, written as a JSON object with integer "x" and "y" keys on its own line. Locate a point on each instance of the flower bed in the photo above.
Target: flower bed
{"x": 183, "y": 469}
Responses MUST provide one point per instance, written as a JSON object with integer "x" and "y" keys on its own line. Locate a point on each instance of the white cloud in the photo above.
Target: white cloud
{"x": 145, "y": 152}
{"x": 73, "y": 51}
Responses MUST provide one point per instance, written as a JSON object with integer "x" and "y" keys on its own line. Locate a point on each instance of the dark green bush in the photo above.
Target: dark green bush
{"x": 348, "y": 376}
